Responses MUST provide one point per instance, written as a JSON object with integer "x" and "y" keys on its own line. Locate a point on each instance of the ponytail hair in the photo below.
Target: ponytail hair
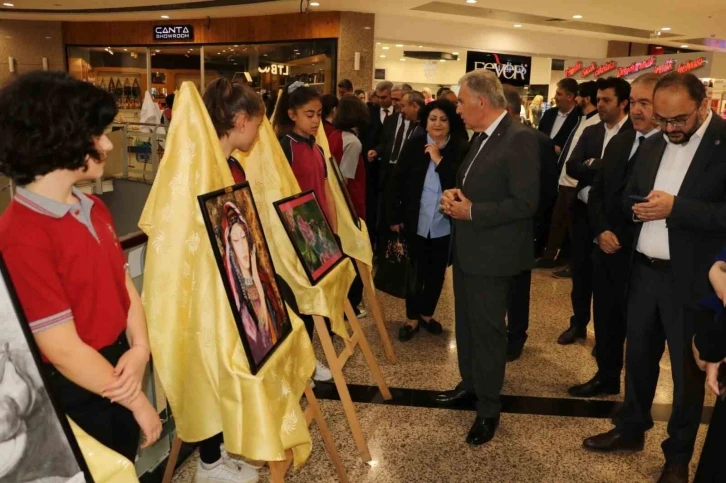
{"x": 299, "y": 96}
{"x": 225, "y": 100}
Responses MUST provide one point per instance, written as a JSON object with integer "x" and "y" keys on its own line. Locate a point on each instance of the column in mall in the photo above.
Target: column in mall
{"x": 356, "y": 35}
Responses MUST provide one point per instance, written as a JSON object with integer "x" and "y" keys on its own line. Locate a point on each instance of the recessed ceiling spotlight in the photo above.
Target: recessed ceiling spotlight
{"x": 157, "y": 51}
{"x": 378, "y": 43}
{"x": 382, "y": 56}
{"x": 165, "y": 16}
{"x": 454, "y": 53}
{"x": 126, "y": 50}
{"x": 367, "y": 28}
{"x": 219, "y": 53}
{"x": 442, "y": 60}
{"x": 420, "y": 46}
{"x": 665, "y": 29}
{"x": 7, "y": 4}
{"x": 399, "y": 45}
{"x": 48, "y": 38}
{"x": 684, "y": 46}
{"x": 386, "y": 48}
{"x": 470, "y": 1}
{"x": 314, "y": 4}
{"x": 517, "y": 25}
{"x": 577, "y": 16}
{"x": 403, "y": 60}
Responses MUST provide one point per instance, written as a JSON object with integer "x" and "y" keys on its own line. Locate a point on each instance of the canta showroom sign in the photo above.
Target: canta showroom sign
{"x": 698, "y": 63}
{"x": 174, "y": 32}
{"x": 511, "y": 69}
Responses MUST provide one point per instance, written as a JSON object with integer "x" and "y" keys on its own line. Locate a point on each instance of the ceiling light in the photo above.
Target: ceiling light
{"x": 386, "y": 48}
{"x": 367, "y": 28}
{"x": 48, "y": 38}
{"x": 126, "y": 50}
{"x": 470, "y": 1}
{"x": 165, "y": 16}
{"x": 454, "y": 53}
{"x": 442, "y": 60}
{"x": 403, "y": 60}
{"x": 314, "y": 4}
{"x": 684, "y": 46}
{"x": 8, "y": 4}
{"x": 383, "y": 56}
{"x": 577, "y": 16}
{"x": 236, "y": 46}
{"x": 665, "y": 29}
{"x": 420, "y": 46}
{"x": 517, "y": 25}
{"x": 219, "y": 53}
{"x": 378, "y": 43}
{"x": 157, "y": 50}
{"x": 399, "y": 45}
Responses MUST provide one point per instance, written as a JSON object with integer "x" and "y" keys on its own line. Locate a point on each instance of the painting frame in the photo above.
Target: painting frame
{"x": 53, "y": 407}
{"x": 314, "y": 274}
{"x": 346, "y": 194}
{"x": 268, "y": 281}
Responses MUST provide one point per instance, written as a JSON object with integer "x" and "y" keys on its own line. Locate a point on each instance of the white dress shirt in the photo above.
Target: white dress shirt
{"x": 559, "y": 121}
{"x": 610, "y": 133}
{"x": 383, "y": 113}
{"x": 490, "y": 130}
{"x": 677, "y": 158}
{"x": 585, "y": 122}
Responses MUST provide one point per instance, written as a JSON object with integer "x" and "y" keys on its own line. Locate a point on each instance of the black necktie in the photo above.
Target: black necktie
{"x": 477, "y": 141}
{"x": 637, "y": 150}
{"x": 411, "y": 127}
{"x": 398, "y": 142}
{"x": 387, "y": 113}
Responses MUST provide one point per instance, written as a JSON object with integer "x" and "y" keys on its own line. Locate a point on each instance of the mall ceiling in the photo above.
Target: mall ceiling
{"x": 698, "y": 23}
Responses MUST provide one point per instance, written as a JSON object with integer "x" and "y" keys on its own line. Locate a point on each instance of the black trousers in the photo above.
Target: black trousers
{"x": 110, "y": 424}
{"x": 711, "y": 467}
{"x": 655, "y": 316}
{"x": 581, "y": 265}
{"x": 210, "y": 450}
{"x": 518, "y": 309}
{"x": 610, "y": 279}
{"x": 429, "y": 257}
{"x": 355, "y": 294}
{"x": 561, "y": 221}
{"x": 481, "y": 336}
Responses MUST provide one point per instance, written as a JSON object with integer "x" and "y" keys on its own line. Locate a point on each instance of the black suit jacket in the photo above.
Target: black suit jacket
{"x": 503, "y": 185}
{"x": 548, "y": 122}
{"x": 605, "y": 203}
{"x": 410, "y": 176}
{"x": 697, "y": 224}
{"x": 590, "y": 147}
{"x": 549, "y": 175}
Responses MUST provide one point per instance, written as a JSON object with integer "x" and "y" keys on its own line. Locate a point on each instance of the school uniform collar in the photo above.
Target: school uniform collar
{"x": 302, "y": 139}
{"x": 46, "y": 206}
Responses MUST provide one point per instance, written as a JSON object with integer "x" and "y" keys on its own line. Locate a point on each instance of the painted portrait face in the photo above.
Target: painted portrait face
{"x": 240, "y": 245}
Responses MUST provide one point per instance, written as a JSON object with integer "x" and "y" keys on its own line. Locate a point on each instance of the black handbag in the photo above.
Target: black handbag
{"x": 394, "y": 269}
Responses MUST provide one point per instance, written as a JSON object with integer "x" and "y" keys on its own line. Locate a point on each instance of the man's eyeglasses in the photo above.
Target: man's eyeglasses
{"x": 679, "y": 121}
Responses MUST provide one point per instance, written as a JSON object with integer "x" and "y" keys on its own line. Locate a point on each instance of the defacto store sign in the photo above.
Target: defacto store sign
{"x": 511, "y": 69}
{"x": 274, "y": 69}
{"x": 632, "y": 67}
{"x": 173, "y": 32}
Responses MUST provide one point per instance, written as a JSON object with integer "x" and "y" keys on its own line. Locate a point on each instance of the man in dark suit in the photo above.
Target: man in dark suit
{"x": 613, "y": 228}
{"x": 518, "y": 305}
{"x": 613, "y": 95}
{"x": 559, "y": 123}
{"x": 493, "y": 209}
{"x": 677, "y": 193}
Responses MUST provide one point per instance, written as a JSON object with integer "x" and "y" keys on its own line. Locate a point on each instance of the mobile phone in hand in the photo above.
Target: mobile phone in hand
{"x": 638, "y": 199}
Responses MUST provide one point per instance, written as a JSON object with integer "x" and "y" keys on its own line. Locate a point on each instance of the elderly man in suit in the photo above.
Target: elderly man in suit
{"x": 493, "y": 209}
{"x": 677, "y": 193}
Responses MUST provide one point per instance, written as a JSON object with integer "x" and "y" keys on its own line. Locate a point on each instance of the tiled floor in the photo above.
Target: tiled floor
{"x": 420, "y": 444}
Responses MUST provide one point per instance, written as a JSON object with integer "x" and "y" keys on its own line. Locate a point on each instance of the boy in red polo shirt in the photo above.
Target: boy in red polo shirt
{"x": 65, "y": 260}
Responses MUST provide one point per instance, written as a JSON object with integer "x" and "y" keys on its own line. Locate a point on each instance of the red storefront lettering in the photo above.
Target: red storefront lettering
{"x": 574, "y": 69}
{"x": 690, "y": 65}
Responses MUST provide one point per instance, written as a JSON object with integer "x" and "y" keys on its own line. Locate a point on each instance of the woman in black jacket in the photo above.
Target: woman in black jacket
{"x": 426, "y": 168}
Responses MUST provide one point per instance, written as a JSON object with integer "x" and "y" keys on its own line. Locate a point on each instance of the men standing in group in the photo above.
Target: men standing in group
{"x": 560, "y": 222}
{"x": 614, "y": 230}
{"x": 559, "y": 123}
{"x": 345, "y": 88}
{"x": 678, "y": 194}
{"x": 613, "y": 97}
{"x": 518, "y": 305}
{"x": 492, "y": 241}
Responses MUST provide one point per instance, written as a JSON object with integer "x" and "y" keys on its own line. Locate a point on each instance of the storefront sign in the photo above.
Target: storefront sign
{"x": 637, "y": 66}
{"x": 569, "y": 72}
{"x": 511, "y": 69}
{"x": 275, "y": 69}
{"x": 173, "y": 32}
{"x": 634, "y": 66}
{"x": 666, "y": 67}
{"x": 605, "y": 68}
{"x": 690, "y": 65}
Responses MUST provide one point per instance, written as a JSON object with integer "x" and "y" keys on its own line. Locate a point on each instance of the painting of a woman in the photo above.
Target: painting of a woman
{"x": 251, "y": 287}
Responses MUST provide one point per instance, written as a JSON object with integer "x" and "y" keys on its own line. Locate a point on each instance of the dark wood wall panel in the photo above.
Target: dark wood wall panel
{"x": 319, "y": 25}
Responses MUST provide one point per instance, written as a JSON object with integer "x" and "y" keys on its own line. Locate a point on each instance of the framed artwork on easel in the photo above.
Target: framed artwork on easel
{"x": 36, "y": 440}
{"x": 346, "y": 194}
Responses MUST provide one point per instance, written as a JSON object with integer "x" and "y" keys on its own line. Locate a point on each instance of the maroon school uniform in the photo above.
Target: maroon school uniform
{"x": 308, "y": 164}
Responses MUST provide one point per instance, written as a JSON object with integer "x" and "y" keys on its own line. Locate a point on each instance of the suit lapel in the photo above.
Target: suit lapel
{"x": 491, "y": 143}
{"x": 703, "y": 156}
{"x": 654, "y": 167}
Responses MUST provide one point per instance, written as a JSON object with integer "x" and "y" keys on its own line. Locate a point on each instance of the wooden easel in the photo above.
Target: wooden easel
{"x": 375, "y": 306}
{"x": 337, "y": 362}
{"x": 278, "y": 469}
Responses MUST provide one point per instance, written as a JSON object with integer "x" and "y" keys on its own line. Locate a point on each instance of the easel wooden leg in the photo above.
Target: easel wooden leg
{"x": 336, "y": 368}
{"x": 279, "y": 468}
{"x": 325, "y": 433}
{"x": 367, "y": 353}
{"x": 375, "y": 306}
{"x": 171, "y": 462}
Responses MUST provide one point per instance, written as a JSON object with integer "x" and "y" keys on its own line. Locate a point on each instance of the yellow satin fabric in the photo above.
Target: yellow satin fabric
{"x": 106, "y": 465}
{"x": 271, "y": 179}
{"x": 197, "y": 350}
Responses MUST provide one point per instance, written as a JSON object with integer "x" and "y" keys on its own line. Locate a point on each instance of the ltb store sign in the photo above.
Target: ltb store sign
{"x": 511, "y": 69}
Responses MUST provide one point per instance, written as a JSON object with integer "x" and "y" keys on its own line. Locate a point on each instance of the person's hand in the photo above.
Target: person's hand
{"x": 697, "y": 356}
{"x": 372, "y": 154}
{"x": 717, "y": 277}
{"x": 608, "y": 242}
{"x": 712, "y": 376}
{"x": 129, "y": 374}
{"x": 449, "y": 195}
{"x": 148, "y": 420}
{"x": 558, "y": 150}
{"x": 658, "y": 207}
{"x": 458, "y": 208}
{"x": 397, "y": 228}
{"x": 434, "y": 152}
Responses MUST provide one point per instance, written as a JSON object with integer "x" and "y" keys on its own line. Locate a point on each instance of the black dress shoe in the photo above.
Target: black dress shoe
{"x": 674, "y": 473}
{"x": 594, "y": 387}
{"x": 614, "y": 441}
{"x": 407, "y": 332}
{"x": 571, "y": 335}
{"x": 545, "y": 264}
{"x": 456, "y": 397}
{"x": 482, "y": 431}
{"x": 432, "y": 326}
{"x": 514, "y": 352}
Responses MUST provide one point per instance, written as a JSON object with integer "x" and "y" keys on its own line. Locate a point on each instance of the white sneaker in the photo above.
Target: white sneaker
{"x": 222, "y": 472}
{"x": 239, "y": 463}
{"x": 362, "y": 313}
{"x": 322, "y": 373}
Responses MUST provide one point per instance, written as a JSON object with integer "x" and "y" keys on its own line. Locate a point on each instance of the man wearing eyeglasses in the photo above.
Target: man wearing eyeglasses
{"x": 677, "y": 196}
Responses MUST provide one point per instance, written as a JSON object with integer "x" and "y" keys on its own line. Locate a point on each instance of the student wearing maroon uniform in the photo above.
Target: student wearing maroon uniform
{"x": 297, "y": 120}
{"x": 236, "y": 112}
{"x": 65, "y": 260}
